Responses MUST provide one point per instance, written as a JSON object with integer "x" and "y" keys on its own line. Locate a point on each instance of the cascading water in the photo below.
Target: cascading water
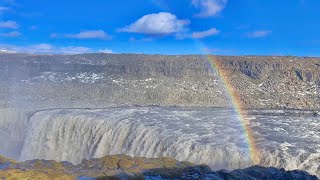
{"x": 74, "y": 135}
{"x": 210, "y": 136}
{"x": 13, "y": 123}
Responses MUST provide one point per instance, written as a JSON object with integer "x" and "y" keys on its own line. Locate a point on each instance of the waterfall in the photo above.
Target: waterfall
{"x": 66, "y": 135}
{"x": 210, "y": 136}
{"x": 13, "y": 124}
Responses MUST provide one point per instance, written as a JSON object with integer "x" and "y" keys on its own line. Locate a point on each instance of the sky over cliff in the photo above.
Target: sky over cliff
{"x": 229, "y": 27}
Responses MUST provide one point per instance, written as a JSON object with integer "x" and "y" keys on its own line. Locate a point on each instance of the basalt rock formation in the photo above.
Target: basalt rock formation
{"x": 99, "y": 80}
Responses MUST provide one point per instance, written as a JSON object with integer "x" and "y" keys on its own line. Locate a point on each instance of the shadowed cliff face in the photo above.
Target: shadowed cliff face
{"x": 126, "y": 79}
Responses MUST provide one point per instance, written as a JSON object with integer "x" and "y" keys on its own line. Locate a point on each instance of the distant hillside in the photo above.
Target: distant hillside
{"x": 100, "y": 80}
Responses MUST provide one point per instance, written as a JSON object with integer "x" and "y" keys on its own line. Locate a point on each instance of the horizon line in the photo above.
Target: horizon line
{"x": 155, "y": 54}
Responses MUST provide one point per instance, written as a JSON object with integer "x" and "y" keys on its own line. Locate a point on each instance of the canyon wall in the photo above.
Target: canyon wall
{"x": 100, "y": 80}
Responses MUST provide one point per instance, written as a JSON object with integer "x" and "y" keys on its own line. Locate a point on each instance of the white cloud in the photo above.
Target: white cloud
{"x": 258, "y": 34}
{"x": 40, "y": 48}
{"x": 45, "y": 48}
{"x": 162, "y": 23}
{"x": 94, "y": 34}
{"x": 209, "y": 8}
{"x": 9, "y": 24}
{"x": 11, "y": 34}
{"x": 106, "y": 51}
{"x": 197, "y": 35}
{"x": 203, "y": 34}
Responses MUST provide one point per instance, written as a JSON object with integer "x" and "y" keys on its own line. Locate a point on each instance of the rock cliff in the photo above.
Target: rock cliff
{"x": 99, "y": 80}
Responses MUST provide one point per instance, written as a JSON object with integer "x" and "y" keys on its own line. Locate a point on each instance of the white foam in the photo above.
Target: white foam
{"x": 211, "y": 136}
{"x": 71, "y": 135}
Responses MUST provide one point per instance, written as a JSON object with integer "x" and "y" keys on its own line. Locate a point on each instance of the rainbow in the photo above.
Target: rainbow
{"x": 216, "y": 66}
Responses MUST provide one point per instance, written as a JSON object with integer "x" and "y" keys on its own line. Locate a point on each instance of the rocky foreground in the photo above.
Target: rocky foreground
{"x": 125, "y": 167}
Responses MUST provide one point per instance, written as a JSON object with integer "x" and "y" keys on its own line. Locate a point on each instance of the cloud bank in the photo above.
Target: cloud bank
{"x": 45, "y": 48}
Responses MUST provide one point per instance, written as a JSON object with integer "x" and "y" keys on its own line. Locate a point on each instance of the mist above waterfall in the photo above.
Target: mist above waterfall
{"x": 13, "y": 128}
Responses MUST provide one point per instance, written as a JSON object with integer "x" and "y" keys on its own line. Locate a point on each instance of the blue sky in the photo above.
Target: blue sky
{"x": 227, "y": 27}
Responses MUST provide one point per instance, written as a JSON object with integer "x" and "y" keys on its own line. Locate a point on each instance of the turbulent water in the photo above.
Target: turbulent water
{"x": 211, "y": 136}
